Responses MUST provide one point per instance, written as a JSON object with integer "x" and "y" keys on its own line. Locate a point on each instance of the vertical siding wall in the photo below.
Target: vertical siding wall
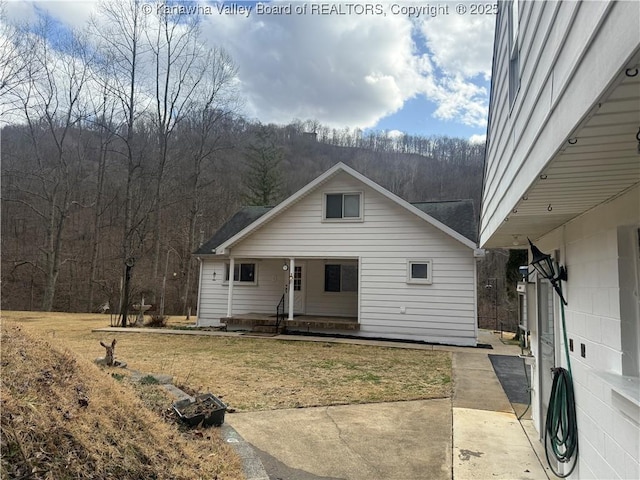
{"x": 444, "y": 312}
{"x": 609, "y": 430}
{"x": 569, "y": 53}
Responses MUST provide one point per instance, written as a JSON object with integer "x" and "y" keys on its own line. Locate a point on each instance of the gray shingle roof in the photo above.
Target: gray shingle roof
{"x": 456, "y": 214}
{"x": 241, "y": 219}
{"x": 459, "y": 215}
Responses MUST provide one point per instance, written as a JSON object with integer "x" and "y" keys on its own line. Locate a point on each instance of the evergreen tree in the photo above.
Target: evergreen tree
{"x": 263, "y": 177}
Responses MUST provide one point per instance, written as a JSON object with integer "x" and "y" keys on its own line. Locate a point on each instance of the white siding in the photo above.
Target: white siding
{"x": 263, "y": 297}
{"x": 443, "y": 312}
{"x": 609, "y": 430}
{"x": 570, "y": 52}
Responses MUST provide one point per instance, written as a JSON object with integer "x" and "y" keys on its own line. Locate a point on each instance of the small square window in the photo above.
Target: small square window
{"x": 419, "y": 271}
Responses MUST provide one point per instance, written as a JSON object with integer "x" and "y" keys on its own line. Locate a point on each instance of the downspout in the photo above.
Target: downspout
{"x": 201, "y": 265}
{"x": 232, "y": 266}
{"x": 475, "y": 298}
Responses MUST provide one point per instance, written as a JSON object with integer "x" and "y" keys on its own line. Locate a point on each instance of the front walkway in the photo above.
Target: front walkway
{"x": 488, "y": 439}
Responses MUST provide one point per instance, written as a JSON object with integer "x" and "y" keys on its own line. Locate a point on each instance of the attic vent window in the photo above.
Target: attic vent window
{"x": 343, "y": 206}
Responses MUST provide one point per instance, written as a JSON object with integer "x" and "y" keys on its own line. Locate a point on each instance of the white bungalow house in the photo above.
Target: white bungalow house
{"x": 343, "y": 254}
{"x": 563, "y": 168}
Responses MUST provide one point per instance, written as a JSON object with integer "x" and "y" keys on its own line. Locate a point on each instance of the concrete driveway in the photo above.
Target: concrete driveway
{"x": 404, "y": 440}
{"x": 475, "y": 435}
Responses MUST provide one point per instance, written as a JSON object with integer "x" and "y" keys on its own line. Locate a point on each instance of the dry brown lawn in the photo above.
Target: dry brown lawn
{"x": 258, "y": 374}
{"x": 63, "y": 417}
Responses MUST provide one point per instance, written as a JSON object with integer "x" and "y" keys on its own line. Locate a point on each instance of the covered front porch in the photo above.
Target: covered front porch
{"x": 295, "y": 294}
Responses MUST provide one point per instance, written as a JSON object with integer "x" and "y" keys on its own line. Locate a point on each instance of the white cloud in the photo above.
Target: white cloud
{"x": 479, "y": 139}
{"x": 343, "y": 70}
{"x": 395, "y": 134}
{"x": 462, "y": 45}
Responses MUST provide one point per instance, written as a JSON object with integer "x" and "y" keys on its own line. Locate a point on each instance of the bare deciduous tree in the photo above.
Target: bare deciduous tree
{"x": 180, "y": 68}
{"x": 52, "y": 105}
{"x": 119, "y": 35}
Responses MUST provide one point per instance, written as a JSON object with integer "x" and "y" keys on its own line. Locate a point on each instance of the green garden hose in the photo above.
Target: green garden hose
{"x": 561, "y": 427}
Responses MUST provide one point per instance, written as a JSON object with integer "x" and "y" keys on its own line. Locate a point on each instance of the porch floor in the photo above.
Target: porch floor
{"x": 266, "y": 322}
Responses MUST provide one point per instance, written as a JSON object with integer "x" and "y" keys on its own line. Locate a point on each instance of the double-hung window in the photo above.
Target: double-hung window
{"x": 340, "y": 278}
{"x": 242, "y": 273}
{"x": 343, "y": 206}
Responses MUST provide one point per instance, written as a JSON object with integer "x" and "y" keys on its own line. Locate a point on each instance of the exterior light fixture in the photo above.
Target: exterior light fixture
{"x": 549, "y": 208}
{"x": 573, "y": 141}
{"x": 285, "y": 267}
{"x": 543, "y": 176}
{"x": 631, "y": 72}
{"x": 213, "y": 276}
{"x": 544, "y": 265}
{"x": 638, "y": 139}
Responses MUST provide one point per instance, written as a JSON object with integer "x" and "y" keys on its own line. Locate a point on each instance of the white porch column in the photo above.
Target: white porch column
{"x": 292, "y": 269}
{"x": 232, "y": 265}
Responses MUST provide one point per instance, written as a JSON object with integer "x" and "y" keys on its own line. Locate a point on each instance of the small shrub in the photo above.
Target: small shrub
{"x": 149, "y": 380}
{"x": 157, "y": 321}
{"x": 117, "y": 376}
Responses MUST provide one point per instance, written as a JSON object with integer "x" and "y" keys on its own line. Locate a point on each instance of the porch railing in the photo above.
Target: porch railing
{"x": 280, "y": 313}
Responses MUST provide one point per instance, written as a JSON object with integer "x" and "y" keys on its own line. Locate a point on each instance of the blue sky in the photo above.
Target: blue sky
{"x": 383, "y": 66}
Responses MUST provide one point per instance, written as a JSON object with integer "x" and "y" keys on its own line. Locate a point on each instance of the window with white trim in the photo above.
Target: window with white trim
{"x": 242, "y": 273}
{"x": 343, "y": 206}
{"x": 340, "y": 278}
{"x": 419, "y": 271}
{"x": 514, "y": 49}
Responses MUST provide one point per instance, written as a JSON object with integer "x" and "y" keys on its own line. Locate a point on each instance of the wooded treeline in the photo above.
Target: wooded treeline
{"x": 124, "y": 142}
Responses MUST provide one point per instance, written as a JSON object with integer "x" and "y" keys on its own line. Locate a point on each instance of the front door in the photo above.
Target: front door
{"x": 299, "y": 289}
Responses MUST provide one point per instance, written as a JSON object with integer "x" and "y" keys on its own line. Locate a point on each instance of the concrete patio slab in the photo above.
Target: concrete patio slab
{"x": 492, "y": 445}
{"x": 405, "y": 440}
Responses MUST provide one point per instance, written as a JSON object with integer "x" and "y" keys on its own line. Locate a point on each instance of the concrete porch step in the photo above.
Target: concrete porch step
{"x": 267, "y": 324}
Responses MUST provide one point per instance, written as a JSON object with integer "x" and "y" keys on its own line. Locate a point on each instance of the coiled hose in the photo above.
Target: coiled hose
{"x": 561, "y": 426}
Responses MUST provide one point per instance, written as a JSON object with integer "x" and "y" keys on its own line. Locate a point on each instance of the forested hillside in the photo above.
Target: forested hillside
{"x": 122, "y": 142}
{"x": 71, "y": 212}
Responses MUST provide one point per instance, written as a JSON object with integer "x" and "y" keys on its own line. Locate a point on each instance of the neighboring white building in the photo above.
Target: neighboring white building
{"x": 345, "y": 255}
{"x": 563, "y": 168}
